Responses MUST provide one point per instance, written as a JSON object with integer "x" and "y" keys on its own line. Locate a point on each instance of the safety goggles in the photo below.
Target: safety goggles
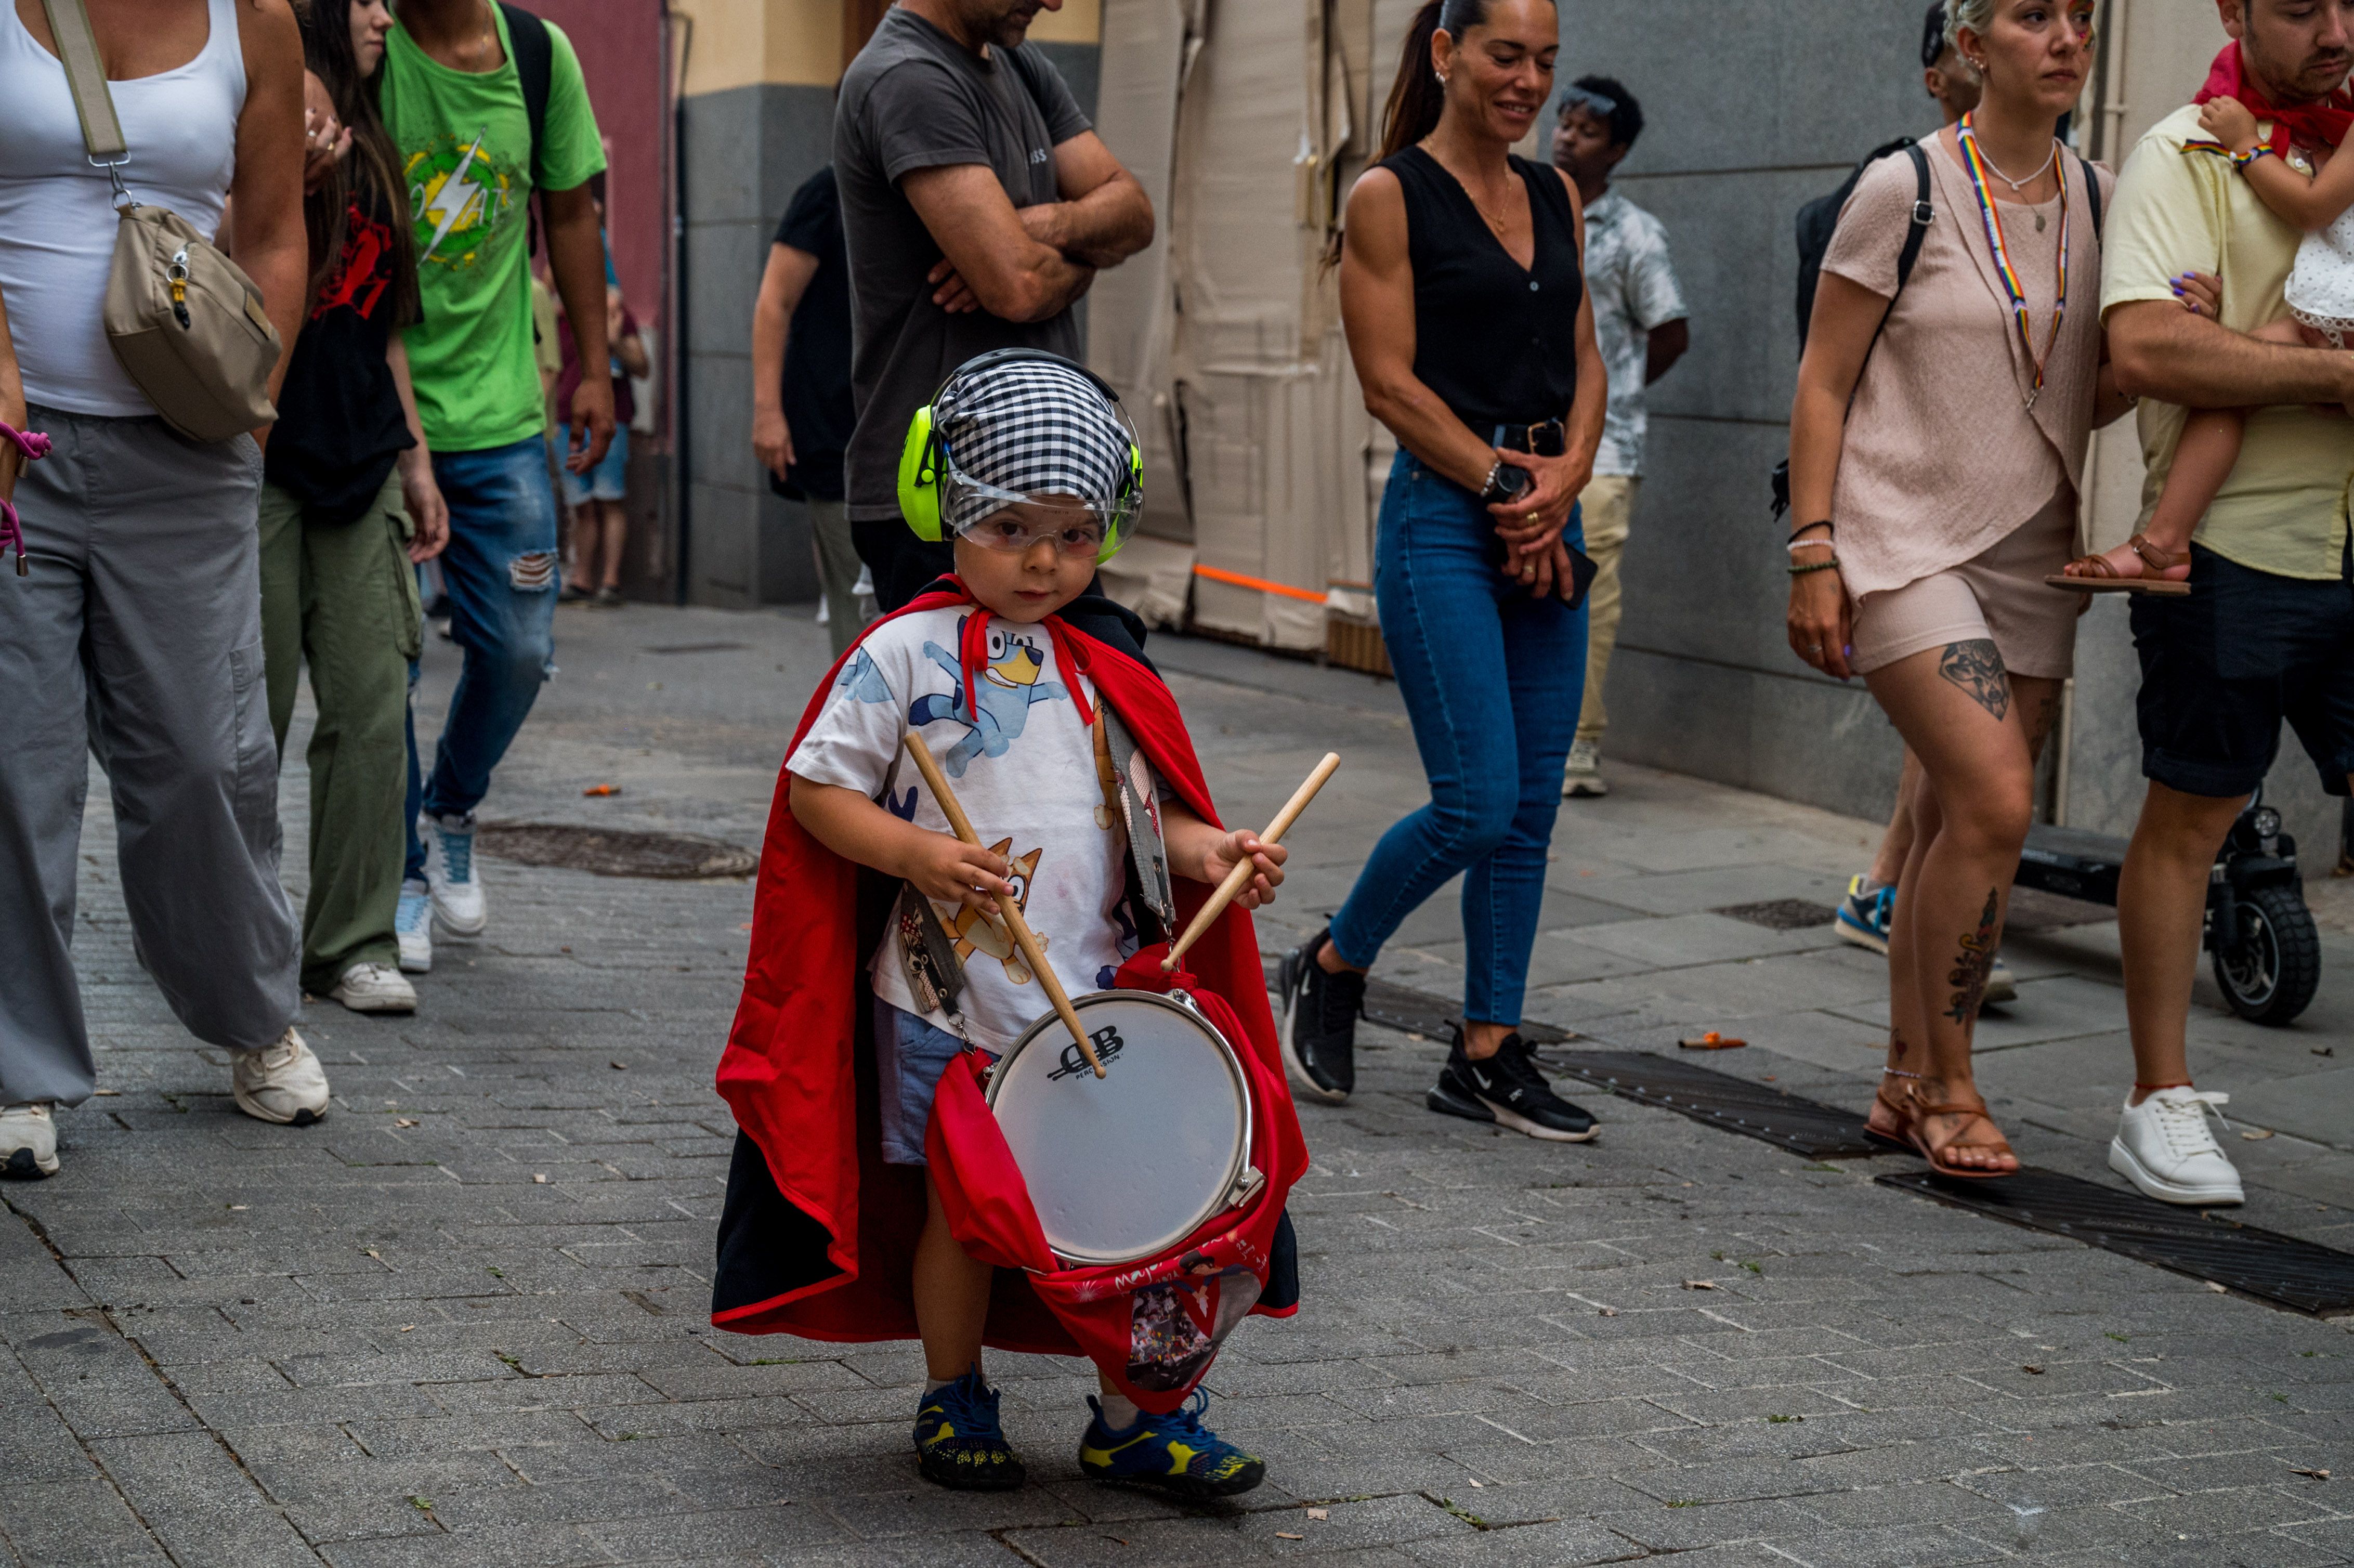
{"x": 1007, "y": 520}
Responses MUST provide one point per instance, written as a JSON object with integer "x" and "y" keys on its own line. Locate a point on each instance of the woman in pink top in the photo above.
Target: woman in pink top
{"x": 1937, "y": 444}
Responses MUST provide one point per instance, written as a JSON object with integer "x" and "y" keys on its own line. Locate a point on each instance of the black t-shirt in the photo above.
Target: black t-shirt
{"x": 340, "y": 426}
{"x": 916, "y": 98}
{"x": 818, "y": 405}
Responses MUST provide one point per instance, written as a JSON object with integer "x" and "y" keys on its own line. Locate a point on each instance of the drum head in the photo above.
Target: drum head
{"x": 1124, "y": 1167}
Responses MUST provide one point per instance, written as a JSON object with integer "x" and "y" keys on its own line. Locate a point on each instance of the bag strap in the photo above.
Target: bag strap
{"x": 534, "y": 63}
{"x": 101, "y": 132}
{"x": 2092, "y": 191}
{"x": 1925, "y": 213}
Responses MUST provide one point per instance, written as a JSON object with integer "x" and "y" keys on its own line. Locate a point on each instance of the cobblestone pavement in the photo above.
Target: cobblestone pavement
{"x": 463, "y": 1322}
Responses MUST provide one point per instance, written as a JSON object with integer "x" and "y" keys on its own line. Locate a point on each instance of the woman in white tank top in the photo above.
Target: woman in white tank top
{"x": 136, "y": 632}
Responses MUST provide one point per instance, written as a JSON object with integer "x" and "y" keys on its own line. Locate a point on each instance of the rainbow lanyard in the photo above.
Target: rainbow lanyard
{"x": 1974, "y": 163}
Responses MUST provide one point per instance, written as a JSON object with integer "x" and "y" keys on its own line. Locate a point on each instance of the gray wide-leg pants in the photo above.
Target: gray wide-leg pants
{"x": 137, "y": 636}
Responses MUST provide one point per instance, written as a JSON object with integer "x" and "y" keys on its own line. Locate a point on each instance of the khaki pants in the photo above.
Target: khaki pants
{"x": 1605, "y": 505}
{"x": 838, "y": 566}
{"x": 343, "y": 598}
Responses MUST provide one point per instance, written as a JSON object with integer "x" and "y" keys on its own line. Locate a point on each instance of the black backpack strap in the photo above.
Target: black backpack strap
{"x": 2092, "y": 191}
{"x": 534, "y": 61}
{"x": 1923, "y": 214}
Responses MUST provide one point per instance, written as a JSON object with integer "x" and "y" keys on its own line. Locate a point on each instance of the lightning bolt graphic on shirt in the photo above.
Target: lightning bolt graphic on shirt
{"x": 458, "y": 196}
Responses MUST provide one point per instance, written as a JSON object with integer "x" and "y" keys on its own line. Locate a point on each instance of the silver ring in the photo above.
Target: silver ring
{"x": 1814, "y": 647}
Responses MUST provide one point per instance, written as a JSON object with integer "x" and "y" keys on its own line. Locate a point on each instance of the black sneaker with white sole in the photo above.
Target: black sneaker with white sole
{"x": 1320, "y": 1022}
{"x": 1507, "y": 1089}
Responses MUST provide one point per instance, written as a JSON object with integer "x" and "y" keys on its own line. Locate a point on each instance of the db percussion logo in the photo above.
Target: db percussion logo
{"x": 1107, "y": 1044}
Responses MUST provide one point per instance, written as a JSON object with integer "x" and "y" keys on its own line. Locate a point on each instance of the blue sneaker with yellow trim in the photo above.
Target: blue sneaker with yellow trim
{"x": 959, "y": 1442}
{"x": 1866, "y": 913}
{"x": 1175, "y": 1453}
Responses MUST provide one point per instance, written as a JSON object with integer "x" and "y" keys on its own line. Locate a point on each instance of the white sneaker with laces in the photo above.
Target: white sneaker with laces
{"x": 412, "y": 923}
{"x": 1582, "y": 778}
{"x": 458, "y": 901}
{"x": 2163, "y": 1147}
{"x": 2001, "y": 987}
{"x": 28, "y": 1141}
{"x": 375, "y": 988}
{"x": 282, "y": 1083}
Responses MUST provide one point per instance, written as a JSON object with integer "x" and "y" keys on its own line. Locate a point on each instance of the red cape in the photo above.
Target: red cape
{"x": 819, "y": 1234}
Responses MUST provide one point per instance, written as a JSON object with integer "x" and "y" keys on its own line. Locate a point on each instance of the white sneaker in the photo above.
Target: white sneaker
{"x": 413, "y": 924}
{"x": 1582, "y": 778}
{"x": 375, "y": 988}
{"x": 282, "y": 1083}
{"x": 28, "y": 1141}
{"x": 458, "y": 901}
{"x": 2163, "y": 1147}
{"x": 2001, "y": 987}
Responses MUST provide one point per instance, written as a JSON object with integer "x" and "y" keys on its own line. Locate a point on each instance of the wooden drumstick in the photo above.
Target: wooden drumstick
{"x": 1239, "y": 878}
{"x": 1031, "y": 951}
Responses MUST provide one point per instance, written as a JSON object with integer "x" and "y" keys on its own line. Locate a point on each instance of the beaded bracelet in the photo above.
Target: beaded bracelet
{"x": 1818, "y": 566}
{"x": 1795, "y": 546}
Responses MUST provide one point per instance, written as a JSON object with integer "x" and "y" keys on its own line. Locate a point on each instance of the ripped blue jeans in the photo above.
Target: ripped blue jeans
{"x": 500, "y": 571}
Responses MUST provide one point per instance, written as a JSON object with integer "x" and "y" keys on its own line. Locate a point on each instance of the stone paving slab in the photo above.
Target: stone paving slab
{"x": 372, "y": 1345}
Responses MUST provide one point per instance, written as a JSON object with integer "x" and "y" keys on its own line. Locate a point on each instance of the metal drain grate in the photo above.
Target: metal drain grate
{"x": 1721, "y": 1100}
{"x": 2284, "y": 1270}
{"x": 611, "y": 852}
{"x": 1780, "y": 914}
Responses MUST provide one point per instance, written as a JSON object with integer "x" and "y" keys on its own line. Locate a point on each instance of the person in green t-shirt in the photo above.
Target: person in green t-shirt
{"x": 452, "y": 96}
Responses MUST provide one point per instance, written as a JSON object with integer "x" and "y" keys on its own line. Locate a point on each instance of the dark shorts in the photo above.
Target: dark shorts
{"x": 2221, "y": 668}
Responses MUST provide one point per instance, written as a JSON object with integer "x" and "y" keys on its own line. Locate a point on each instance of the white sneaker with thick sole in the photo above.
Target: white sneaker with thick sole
{"x": 458, "y": 901}
{"x": 2001, "y": 987}
{"x": 375, "y": 988}
{"x": 282, "y": 1083}
{"x": 28, "y": 1141}
{"x": 412, "y": 923}
{"x": 1582, "y": 777}
{"x": 2163, "y": 1147}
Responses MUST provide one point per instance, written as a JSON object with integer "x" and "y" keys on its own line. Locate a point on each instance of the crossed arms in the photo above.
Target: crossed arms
{"x": 1030, "y": 263}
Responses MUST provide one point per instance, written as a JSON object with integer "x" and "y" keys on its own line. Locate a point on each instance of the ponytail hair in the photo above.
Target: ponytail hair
{"x": 1418, "y": 95}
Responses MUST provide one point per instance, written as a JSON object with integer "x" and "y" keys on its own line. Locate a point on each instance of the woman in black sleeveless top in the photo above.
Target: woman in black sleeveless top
{"x": 1472, "y": 334}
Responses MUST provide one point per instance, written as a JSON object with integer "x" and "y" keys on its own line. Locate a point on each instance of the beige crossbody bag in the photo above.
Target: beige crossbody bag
{"x": 186, "y": 322}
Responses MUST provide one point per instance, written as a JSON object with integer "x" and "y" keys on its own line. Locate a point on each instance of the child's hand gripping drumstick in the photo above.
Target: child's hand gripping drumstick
{"x": 1239, "y": 878}
{"x": 1032, "y": 953}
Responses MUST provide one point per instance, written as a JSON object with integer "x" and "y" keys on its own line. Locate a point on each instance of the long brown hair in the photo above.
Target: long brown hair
{"x": 371, "y": 176}
{"x": 1418, "y": 95}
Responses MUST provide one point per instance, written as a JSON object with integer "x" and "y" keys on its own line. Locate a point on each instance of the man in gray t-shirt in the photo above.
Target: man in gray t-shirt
{"x": 978, "y": 205}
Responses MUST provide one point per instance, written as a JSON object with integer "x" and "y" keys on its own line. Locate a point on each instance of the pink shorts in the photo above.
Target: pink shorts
{"x": 1997, "y": 595}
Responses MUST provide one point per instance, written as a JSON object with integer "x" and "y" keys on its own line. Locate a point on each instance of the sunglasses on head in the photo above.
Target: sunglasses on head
{"x": 1600, "y": 105}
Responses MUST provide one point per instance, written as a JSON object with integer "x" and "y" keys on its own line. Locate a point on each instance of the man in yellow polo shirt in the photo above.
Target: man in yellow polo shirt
{"x": 2267, "y": 632}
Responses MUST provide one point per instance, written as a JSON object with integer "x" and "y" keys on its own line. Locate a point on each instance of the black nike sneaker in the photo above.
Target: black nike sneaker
{"x": 1507, "y": 1089}
{"x": 1320, "y": 1022}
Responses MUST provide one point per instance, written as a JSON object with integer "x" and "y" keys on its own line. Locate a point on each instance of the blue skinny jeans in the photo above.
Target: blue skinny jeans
{"x": 500, "y": 571}
{"x": 1492, "y": 680}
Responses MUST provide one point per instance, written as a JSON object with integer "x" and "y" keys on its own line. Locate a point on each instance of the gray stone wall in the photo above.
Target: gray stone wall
{"x": 746, "y": 150}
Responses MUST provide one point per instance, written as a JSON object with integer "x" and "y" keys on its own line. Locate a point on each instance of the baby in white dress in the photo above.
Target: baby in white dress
{"x": 2320, "y": 297}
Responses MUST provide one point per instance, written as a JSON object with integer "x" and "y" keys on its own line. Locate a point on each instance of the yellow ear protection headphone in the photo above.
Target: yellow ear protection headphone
{"x": 924, "y": 459}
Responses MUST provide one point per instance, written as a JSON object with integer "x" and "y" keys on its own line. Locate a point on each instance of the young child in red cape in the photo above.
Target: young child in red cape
{"x": 834, "y": 1226}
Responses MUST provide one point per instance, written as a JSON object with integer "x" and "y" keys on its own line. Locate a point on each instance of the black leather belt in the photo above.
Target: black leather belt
{"x": 1550, "y": 438}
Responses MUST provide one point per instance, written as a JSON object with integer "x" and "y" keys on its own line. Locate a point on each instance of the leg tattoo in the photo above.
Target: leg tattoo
{"x": 1973, "y": 964}
{"x": 1977, "y": 668}
{"x": 1896, "y": 1047}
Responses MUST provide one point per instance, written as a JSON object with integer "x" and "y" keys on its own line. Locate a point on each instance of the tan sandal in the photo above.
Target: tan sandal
{"x": 1937, "y": 1152}
{"x": 2096, "y": 574}
{"x": 1894, "y": 1133}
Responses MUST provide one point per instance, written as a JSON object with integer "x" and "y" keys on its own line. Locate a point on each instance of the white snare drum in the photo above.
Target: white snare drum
{"x": 1123, "y": 1167}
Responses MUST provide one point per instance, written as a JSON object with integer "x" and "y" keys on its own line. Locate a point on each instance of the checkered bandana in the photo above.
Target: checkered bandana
{"x": 1030, "y": 428}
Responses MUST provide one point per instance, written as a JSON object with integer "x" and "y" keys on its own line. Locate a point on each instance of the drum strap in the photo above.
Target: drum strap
{"x": 928, "y": 958}
{"x": 1131, "y": 793}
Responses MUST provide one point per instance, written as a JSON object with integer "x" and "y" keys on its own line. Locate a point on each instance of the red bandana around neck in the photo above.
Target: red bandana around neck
{"x": 2322, "y": 124}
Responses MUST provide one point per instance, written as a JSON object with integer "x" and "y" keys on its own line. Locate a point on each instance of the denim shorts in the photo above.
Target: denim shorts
{"x": 609, "y": 480}
{"x": 910, "y": 1055}
{"x": 2221, "y": 668}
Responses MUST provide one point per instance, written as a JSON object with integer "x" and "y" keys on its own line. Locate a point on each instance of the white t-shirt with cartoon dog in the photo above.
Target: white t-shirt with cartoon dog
{"x": 1025, "y": 770}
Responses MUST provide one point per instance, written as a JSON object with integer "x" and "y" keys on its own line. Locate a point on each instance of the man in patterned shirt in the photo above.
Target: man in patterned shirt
{"x": 1639, "y": 315}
